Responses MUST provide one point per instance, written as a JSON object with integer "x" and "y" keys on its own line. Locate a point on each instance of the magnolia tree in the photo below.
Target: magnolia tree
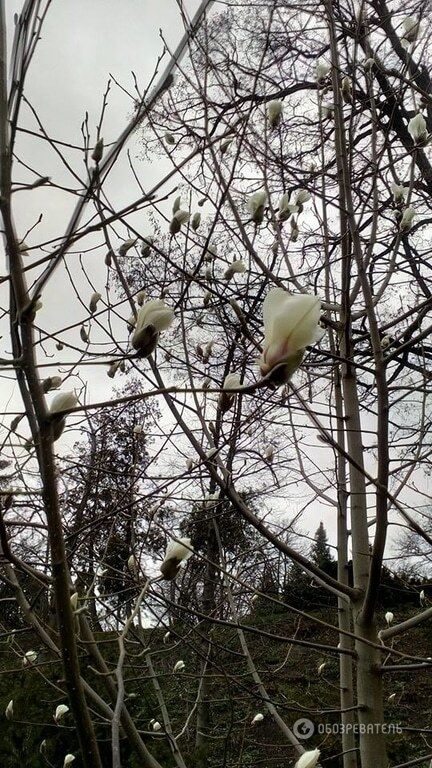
{"x": 260, "y": 316}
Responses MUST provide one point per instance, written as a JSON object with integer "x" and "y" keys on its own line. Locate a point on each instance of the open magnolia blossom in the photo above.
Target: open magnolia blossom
{"x": 290, "y": 325}
{"x": 308, "y": 759}
{"x": 64, "y": 401}
{"x": 399, "y": 192}
{"x": 259, "y": 717}
{"x": 179, "y": 666}
{"x": 286, "y": 208}
{"x": 236, "y": 268}
{"x": 407, "y": 219}
{"x": 61, "y": 710}
{"x": 232, "y": 381}
{"x": 153, "y": 317}
{"x": 389, "y": 617}
{"x": 156, "y": 726}
{"x": 176, "y": 553}
{"x": 417, "y": 129}
{"x": 256, "y": 204}
{"x": 322, "y": 69}
{"x": 302, "y": 196}
{"x": 274, "y": 113}
{"x": 29, "y": 657}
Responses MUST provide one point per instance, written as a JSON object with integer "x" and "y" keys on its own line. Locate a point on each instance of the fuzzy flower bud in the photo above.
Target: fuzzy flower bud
{"x": 274, "y": 113}
{"x": 97, "y": 153}
{"x": 196, "y": 221}
{"x": 407, "y": 219}
{"x": 95, "y": 297}
{"x": 176, "y": 552}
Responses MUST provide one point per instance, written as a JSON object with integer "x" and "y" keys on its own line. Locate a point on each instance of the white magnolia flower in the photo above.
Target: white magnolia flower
{"x": 369, "y": 64}
{"x": 180, "y": 217}
{"x": 399, "y": 192}
{"x": 156, "y": 726}
{"x": 274, "y": 113}
{"x": 179, "y": 666}
{"x": 124, "y": 248}
{"x": 256, "y": 204}
{"x": 321, "y": 668}
{"x": 9, "y": 711}
{"x": 258, "y": 718}
{"x": 29, "y": 658}
{"x": 175, "y": 553}
{"x": 389, "y": 617}
{"x": 302, "y": 196}
{"x": 95, "y": 297}
{"x": 407, "y": 219}
{"x": 422, "y": 597}
{"x": 391, "y": 698}
{"x": 417, "y": 129}
{"x": 132, "y": 563}
{"x": 254, "y": 598}
{"x": 232, "y": 381}
{"x": 74, "y": 601}
{"x": 166, "y": 637}
{"x": 196, "y": 221}
{"x": 64, "y": 401}
{"x": 322, "y": 69}
{"x": 153, "y": 317}
{"x": 308, "y": 759}
{"x": 61, "y": 710}
{"x": 286, "y": 208}
{"x": 290, "y": 325}
{"x": 68, "y": 760}
{"x": 411, "y": 27}
{"x": 238, "y": 267}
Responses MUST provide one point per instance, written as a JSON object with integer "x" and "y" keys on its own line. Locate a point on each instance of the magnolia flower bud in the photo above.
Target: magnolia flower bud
{"x": 398, "y": 191}
{"x": 156, "y": 726}
{"x": 175, "y": 553}
{"x": 417, "y": 129}
{"x": 274, "y": 113}
{"x": 95, "y": 297}
{"x": 321, "y": 668}
{"x": 147, "y": 246}
{"x": 97, "y": 153}
{"x": 127, "y": 245}
{"x": 176, "y": 204}
{"x": 132, "y": 563}
{"x": 211, "y": 252}
{"x": 411, "y": 27}
{"x": 189, "y": 465}
{"x": 389, "y": 617}
{"x": 166, "y": 637}
{"x": 23, "y": 247}
{"x": 254, "y": 598}
{"x": 169, "y": 138}
{"x": 290, "y": 325}
{"x": 84, "y": 334}
{"x": 141, "y": 297}
{"x": 9, "y": 711}
{"x": 391, "y": 698}
{"x": 269, "y": 454}
{"x": 179, "y": 666}
{"x": 207, "y": 351}
{"x": 196, "y": 221}
{"x": 321, "y": 70}
{"x": 369, "y": 64}
{"x": 52, "y": 382}
{"x": 256, "y": 205}
{"x": 294, "y": 231}
{"x": 226, "y": 400}
{"x": 236, "y": 268}
{"x": 74, "y": 601}
{"x": 62, "y": 402}
{"x": 224, "y": 146}
{"x": 61, "y": 710}
{"x": 29, "y": 658}
{"x": 302, "y": 196}
{"x": 385, "y": 342}
{"x": 108, "y": 259}
{"x": 422, "y": 597}
{"x": 346, "y": 89}
{"x": 308, "y": 759}
{"x": 59, "y": 346}
{"x": 286, "y": 208}
{"x": 407, "y": 219}
{"x": 114, "y": 366}
{"x": 180, "y": 217}
{"x": 68, "y": 760}
{"x": 207, "y": 298}
{"x": 259, "y": 717}
{"x": 153, "y": 317}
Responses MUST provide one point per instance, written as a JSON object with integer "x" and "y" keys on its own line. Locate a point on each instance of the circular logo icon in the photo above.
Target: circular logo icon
{"x": 303, "y": 728}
